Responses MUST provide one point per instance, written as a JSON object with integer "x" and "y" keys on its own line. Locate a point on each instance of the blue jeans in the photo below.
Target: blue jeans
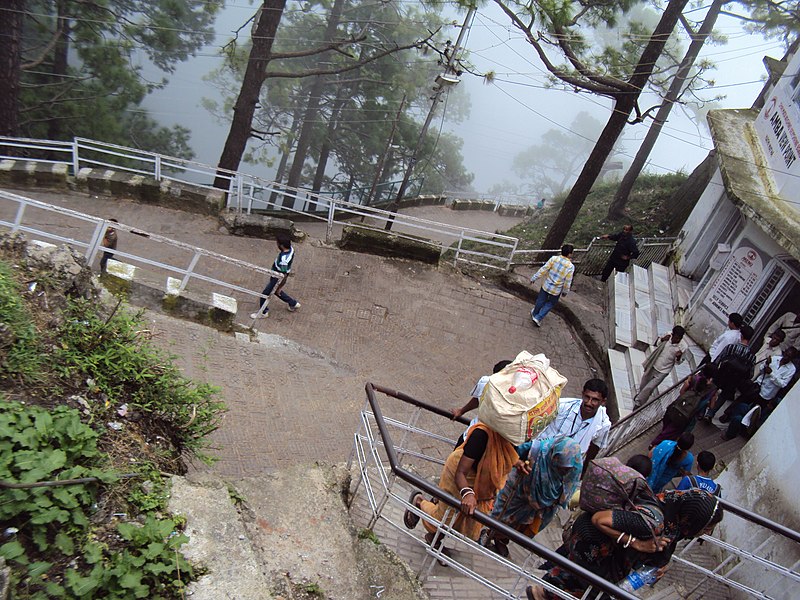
{"x": 282, "y": 295}
{"x": 544, "y": 304}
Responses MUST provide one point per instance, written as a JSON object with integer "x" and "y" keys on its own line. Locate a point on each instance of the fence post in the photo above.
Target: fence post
{"x": 157, "y": 167}
{"x": 511, "y": 256}
{"x": 239, "y": 193}
{"x": 458, "y": 247}
{"x": 18, "y": 218}
{"x": 189, "y": 271}
{"x": 76, "y": 159}
{"x": 97, "y": 239}
{"x": 329, "y": 230}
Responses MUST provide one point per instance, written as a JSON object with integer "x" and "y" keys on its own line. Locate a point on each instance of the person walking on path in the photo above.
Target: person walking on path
{"x": 625, "y": 250}
{"x": 770, "y": 348}
{"x": 669, "y": 352}
{"x": 110, "y": 242}
{"x": 283, "y": 265}
{"x": 541, "y": 481}
{"x": 734, "y": 366}
{"x": 558, "y": 272}
{"x": 703, "y": 481}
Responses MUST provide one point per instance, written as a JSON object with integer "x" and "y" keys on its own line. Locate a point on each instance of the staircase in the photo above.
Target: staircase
{"x": 645, "y": 303}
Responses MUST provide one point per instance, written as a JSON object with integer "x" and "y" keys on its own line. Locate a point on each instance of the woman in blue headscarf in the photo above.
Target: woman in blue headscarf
{"x": 536, "y": 488}
{"x": 671, "y": 459}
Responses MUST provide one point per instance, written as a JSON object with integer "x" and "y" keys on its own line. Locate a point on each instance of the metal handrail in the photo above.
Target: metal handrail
{"x": 479, "y": 516}
{"x": 325, "y": 207}
{"x": 517, "y": 537}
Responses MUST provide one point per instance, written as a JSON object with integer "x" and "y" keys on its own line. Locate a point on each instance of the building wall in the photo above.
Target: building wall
{"x": 729, "y": 291}
{"x": 764, "y": 479}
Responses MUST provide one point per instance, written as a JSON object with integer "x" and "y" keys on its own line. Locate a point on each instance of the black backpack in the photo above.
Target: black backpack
{"x": 682, "y": 409}
{"x": 732, "y": 371}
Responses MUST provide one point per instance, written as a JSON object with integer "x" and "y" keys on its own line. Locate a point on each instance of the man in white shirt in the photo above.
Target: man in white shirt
{"x": 776, "y": 375}
{"x": 770, "y": 348}
{"x": 789, "y": 323}
{"x": 731, "y": 335}
{"x": 669, "y": 351}
{"x": 584, "y": 419}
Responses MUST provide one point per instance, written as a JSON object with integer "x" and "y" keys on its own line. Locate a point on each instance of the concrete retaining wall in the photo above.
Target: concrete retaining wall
{"x": 359, "y": 239}
{"x": 107, "y": 182}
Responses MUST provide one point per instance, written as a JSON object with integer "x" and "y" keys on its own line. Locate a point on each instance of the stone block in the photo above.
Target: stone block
{"x": 99, "y": 181}
{"x": 259, "y": 226}
{"x": 173, "y": 286}
{"x": 382, "y": 243}
{"x": 120, "y": 270}
{"x": 223, "y": 302}
{"x": 51, "y": 175}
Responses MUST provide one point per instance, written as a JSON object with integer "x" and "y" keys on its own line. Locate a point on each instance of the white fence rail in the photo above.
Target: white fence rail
{"x": 247, "y": 193}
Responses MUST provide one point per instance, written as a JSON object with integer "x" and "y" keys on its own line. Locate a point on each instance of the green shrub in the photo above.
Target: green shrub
{"x": 20, "y": 351}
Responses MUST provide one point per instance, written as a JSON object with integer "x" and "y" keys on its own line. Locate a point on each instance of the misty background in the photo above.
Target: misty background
{"x": 506, "y": 116}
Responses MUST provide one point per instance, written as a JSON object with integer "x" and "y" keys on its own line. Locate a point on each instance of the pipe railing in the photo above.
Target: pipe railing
{"x": 392, "y": 453}
{"x": 244, "y": 192}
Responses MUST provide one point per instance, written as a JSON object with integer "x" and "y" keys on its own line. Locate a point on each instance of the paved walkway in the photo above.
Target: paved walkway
{"x": 429, "y": 332}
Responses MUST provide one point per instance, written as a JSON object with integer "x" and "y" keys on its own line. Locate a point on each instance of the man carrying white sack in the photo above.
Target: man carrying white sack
{"x": 583, "y": 419}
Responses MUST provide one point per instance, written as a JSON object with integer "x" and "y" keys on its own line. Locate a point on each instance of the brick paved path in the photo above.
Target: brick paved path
{"x": 429, "y": 332}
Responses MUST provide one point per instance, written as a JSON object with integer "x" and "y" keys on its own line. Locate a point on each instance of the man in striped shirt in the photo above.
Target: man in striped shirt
{"x": 558, "y": 271}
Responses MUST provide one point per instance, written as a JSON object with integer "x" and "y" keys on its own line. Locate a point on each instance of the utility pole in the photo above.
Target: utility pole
{"x": 443, "y": 81}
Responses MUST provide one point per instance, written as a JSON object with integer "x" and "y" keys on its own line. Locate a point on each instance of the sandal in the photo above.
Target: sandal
{"x": 411, "y": 519}
{"x": 501, "y": 548}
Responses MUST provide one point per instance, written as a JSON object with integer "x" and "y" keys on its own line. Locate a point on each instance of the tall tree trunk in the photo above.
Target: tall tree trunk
{"x": 312, "y": 109}
{"x": 617, "y": 207}
{"x": 60, "y": 64}
{"x": 10, "y": 60}
{"x": 263, "y": 35}
{"x": 325, "y": 149}
{"x": 284, "y": 161}
{"x": 616, "y": 123}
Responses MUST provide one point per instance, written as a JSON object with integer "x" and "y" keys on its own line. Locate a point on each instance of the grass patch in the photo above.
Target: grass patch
{"x": 84, "y": 395}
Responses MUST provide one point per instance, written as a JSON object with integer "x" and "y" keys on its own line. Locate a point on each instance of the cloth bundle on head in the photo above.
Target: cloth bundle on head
{"x": 687, "y": 513}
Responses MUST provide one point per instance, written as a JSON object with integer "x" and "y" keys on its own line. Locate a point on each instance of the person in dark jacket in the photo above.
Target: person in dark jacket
{"x": 625, "y": 250}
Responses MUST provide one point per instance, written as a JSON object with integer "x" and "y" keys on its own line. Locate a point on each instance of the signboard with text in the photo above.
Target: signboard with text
{"x": 734, "y": 282}
{"x": 778, "y": 130}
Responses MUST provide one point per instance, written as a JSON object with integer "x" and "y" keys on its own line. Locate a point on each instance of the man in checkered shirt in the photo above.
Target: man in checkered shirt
{"x": 559, "y": 271}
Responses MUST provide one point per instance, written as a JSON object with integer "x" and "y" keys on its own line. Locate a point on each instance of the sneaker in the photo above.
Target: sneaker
{"x": 536, "y": 321}
{"x": 259, "y": 315}
{"x": 294, "y": 308}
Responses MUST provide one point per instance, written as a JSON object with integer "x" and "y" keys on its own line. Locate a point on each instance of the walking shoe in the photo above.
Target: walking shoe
{"x": 536, "y": 321}
{"x": 294, "y": 308}
{"x": 259, "y": 315}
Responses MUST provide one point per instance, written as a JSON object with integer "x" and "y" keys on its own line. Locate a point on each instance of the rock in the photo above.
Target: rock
{"x": 259, "y": 226}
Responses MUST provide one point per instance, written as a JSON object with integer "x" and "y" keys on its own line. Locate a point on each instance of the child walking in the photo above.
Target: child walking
{"x": 283, "y": 265}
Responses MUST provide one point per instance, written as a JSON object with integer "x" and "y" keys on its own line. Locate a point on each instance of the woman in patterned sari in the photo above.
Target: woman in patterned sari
{"x": 611, "y": 543}
{"x": 536, "y": 488}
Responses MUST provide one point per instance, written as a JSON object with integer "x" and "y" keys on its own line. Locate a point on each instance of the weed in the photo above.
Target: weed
{"x": 20, "y": 351}
{"x": 235, "y": 496}
{"x": 368, "y": 534}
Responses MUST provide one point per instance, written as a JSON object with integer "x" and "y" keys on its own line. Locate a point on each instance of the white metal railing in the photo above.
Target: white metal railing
{"x": 159, "y": 257}
{"x": 246, "y": 193}
{"x": 418, "y": 437}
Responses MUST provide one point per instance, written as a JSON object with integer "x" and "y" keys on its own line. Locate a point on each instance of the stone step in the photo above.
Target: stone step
{"x": 622, "y": 309}
{"x": 643, "y": 308}
{"x": 662, "y": 299}
{"x": 620, "y": 378}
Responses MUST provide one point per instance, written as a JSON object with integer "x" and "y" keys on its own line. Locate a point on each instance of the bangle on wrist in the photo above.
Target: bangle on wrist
{"x": 620, "y": 537}
{"x": 631, "y": 539}
{"x": 466, "y": 492}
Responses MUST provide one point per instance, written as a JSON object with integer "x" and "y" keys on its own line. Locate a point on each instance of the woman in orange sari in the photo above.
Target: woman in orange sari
{"x": 474, "y": 472}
